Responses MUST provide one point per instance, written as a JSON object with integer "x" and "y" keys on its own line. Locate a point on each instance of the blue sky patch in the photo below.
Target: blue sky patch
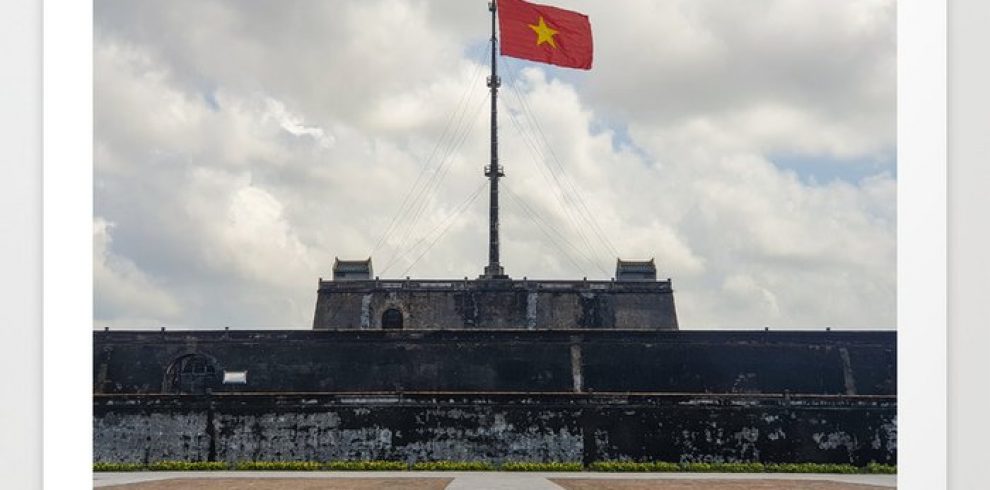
{"x": 822, "y": 169}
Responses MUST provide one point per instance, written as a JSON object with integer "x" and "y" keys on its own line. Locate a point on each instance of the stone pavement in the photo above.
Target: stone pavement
{"x": 455, "y": 480}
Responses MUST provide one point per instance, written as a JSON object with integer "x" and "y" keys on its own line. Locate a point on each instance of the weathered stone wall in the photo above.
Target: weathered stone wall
{"x": 493, "y": 427}
{"x": 359, "y": 305}
{"x": 836, "y": 363}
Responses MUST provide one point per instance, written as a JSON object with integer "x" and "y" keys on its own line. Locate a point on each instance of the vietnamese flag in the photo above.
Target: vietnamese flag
{"x": 546, "y": 34}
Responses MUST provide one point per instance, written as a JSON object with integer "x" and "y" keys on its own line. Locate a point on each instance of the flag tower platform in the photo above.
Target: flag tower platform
{"x": 494, "y": 369}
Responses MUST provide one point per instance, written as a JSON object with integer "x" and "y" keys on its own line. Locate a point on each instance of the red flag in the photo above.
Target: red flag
{"x": 546, "y": 34}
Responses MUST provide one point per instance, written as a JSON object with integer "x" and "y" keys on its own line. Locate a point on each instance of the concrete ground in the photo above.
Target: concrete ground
{"x": 455, "y": 480}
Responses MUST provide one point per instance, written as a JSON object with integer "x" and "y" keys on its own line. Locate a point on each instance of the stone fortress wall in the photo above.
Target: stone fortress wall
{"x": 495, "y": 395}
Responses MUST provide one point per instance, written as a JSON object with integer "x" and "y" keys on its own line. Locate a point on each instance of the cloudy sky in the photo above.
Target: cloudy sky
{"x": 241, "y": 145}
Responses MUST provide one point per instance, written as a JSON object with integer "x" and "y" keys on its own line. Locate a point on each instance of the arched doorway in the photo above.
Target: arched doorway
{"x": 392, "y": 319}
{"x": 192, "y": 373}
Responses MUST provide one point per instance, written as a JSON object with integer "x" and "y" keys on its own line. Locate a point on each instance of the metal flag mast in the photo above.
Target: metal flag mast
{"x": 493, "y": 171}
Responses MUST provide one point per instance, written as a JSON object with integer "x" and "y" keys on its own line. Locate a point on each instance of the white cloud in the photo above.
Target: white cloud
{"x": 126, "y": 296}
{"x": 240, "y": 146}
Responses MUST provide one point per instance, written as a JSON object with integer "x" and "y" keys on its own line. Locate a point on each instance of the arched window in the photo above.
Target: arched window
{"x": 392, "y": 319}
{"x": 192, "y": 373}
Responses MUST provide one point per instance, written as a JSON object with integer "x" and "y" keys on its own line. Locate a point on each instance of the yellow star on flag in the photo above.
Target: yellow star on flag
{"x": 544, "y": 34}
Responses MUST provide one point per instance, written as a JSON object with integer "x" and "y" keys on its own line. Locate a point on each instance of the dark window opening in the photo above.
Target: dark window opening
{"x": 193, "y": 373}
{"x": 392, "y": 319}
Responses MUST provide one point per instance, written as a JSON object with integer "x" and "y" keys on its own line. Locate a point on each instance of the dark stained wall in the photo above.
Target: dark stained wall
{"x": 497, "y": 428}
{"x": 825, "y": 363}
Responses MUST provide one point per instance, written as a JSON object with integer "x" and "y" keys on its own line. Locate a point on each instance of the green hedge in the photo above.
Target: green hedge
{"x": 605, "y": 466}
{"x": 551, "y": 466}
{"x": 163, "y": 466}
{"x": 98, "y": 467}
{"x": 277, "y": 466}
{"x": 659, "y": 466}
{"x": 880, "y": 469}
{"x": 630, "y": 466}
{"x": 722, "y": 467}
{"x": 812, "y": 468}
{"x": 366, "y": 466}
{"x": 453, "y": 466}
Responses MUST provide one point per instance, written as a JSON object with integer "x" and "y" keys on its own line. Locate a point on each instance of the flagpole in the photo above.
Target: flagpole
{"x": 493, "y": 171}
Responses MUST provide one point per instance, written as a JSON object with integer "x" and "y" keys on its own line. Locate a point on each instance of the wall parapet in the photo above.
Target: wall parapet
{"x": 487, "y": 285}
{"x": 828, "y": 363}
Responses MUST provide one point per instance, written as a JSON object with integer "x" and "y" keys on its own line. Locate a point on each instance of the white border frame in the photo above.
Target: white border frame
{"x": 67, "y": 228}
{"x": 20, "y": 250}
{"x": 68, "y": 234}
{"x": 969, "y": 240}
{"x": 921, "y": 243}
